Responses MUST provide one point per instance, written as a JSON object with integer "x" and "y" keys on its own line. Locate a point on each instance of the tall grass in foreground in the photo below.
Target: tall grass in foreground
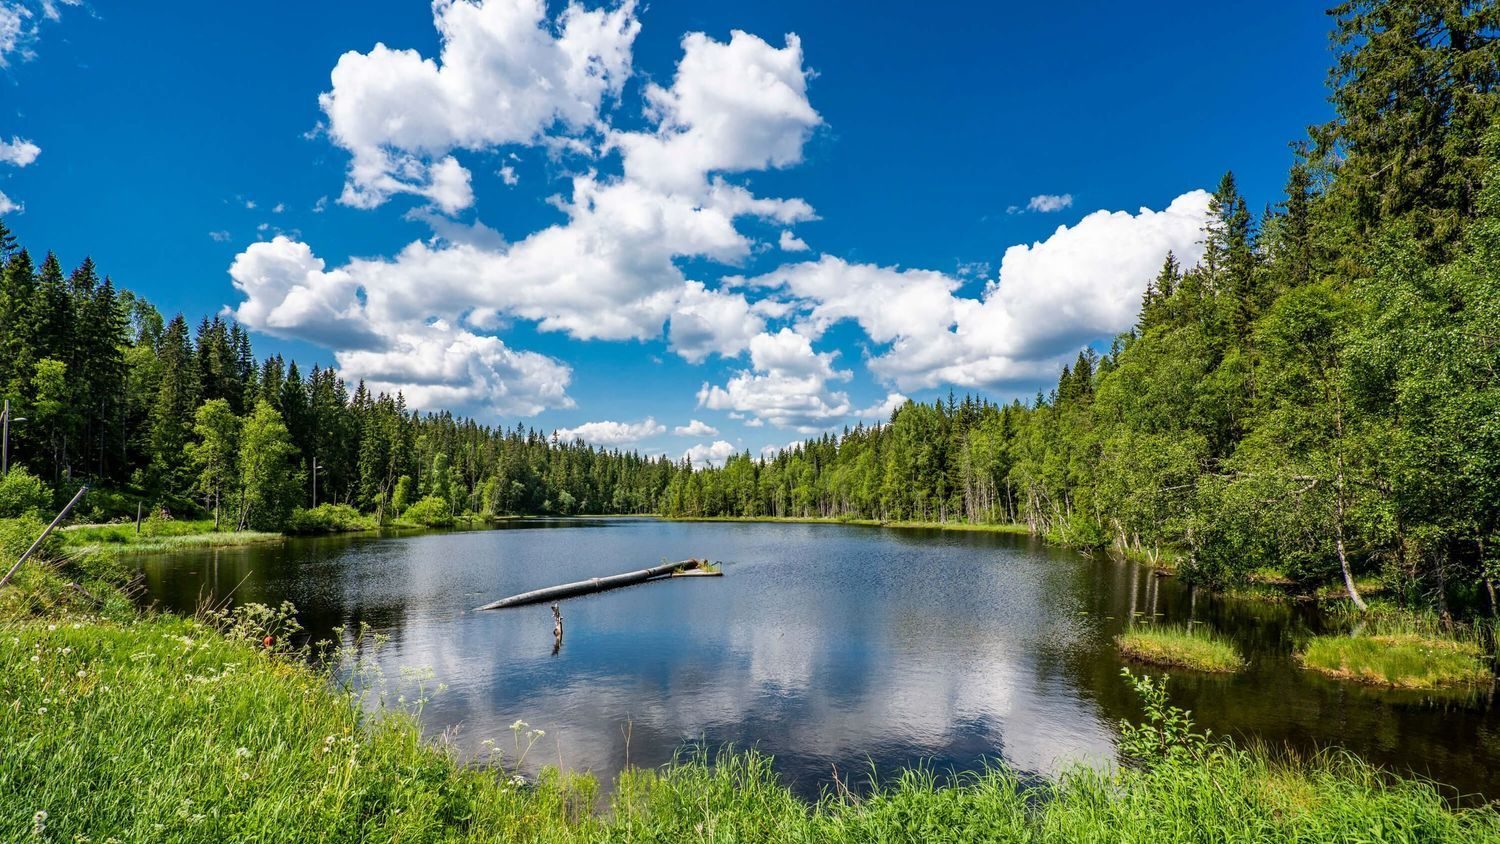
{"x": 1193, "y": 646}
{"x": 166, "y": 729}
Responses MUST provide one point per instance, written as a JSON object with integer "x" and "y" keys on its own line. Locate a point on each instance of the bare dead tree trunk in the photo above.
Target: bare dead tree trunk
{"x": 1338, "y": 505}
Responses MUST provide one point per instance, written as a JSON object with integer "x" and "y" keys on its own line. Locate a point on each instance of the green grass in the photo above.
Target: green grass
{"x": 1192, "y": 647}
{"x": 157, "y": 536}
{"x": 1398, "y": 660}
{"x": 164, "y": 729}
{"x": 1394, "y": 647}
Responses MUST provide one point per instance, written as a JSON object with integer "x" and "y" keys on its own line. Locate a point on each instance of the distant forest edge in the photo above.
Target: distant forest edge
{"x": 1315, "y": 401}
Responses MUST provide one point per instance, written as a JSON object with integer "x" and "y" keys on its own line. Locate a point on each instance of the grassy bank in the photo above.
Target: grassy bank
{"x": 818, "y": 520}
{"x": 1193, "y": 647}
{"x": 164, "y": 729}
{"x": 158, "y": 536}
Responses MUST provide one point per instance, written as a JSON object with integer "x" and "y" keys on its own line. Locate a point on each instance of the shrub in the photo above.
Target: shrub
{"x": 16, "y": 535}
{"x": 329, "y": 518}
{"x": 22, "y": 494}
{"x": 431, "y": 511}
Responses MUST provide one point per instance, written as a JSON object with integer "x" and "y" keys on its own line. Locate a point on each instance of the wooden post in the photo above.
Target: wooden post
{"x": 60, "y": 516}
{"x": 557, "y": 629}
{"x": 137, "y": 518}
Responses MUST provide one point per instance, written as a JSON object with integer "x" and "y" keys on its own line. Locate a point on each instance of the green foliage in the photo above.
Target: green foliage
{"x": 1166, "y": 737}
{"x": 17, "y": 534}
{"x": 329, "y": 518}
{"x": 269, "y": 485}
{"x": 431, "y": 511}
{"x": 401, "y": 496}
{"x": 216, "y": 452}
{"x": 22, "y": 494}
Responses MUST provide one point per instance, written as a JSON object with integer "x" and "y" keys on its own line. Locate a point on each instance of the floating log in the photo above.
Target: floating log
{"x": 592, "y": 585}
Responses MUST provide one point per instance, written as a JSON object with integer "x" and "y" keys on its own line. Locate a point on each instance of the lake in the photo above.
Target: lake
{"x": 827, "y": 646}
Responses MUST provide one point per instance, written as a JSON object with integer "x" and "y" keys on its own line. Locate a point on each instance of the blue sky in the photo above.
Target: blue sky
{"x": 590, "y": 214}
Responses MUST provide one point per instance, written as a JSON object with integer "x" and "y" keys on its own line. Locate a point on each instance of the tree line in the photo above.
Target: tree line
{"x": 189, "y": 420}
{"x": 1316, "y": 398}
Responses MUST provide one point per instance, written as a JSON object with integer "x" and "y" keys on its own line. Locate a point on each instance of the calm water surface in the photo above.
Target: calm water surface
{"x": 823, "y": 645}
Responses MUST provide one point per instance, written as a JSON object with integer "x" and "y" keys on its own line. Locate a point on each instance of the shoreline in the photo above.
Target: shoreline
{"x": 956, "y": 526}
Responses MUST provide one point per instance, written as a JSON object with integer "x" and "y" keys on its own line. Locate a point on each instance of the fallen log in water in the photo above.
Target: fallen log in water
{"x": 592, "y": 585}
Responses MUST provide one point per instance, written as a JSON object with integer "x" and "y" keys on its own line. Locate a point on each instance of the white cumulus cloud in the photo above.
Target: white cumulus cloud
{"x": 18, "y": 152}
{"x": 791, "y": 243}
{"x": 695, "y": 428}
{"x": 732, "y": 107}
{"x": 505, "y": 73}
{"x": 881, "y": 411}
{"x": 613, "y": 433}
{"x": 1046, "y": 203}
{"x": 612, "y": 270}
{"x": 437, "y": 366}
{"x": 710, "y": 454}
{"x": 787, "y": 385}
{"x": 1051, "y": 297}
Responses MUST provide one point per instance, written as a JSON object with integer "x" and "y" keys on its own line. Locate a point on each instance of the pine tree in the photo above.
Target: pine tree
{"x": 1415, "y": 87}
{"x": 172, "y": 412}
{"x": 8, "y": 245}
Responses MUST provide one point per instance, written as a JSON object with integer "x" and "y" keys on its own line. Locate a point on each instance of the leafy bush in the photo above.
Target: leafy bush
{"x": 22, "y": 494}
{"x": 329, "y": 518}
{"x": 431, "y": 511}
{"x": 1167, "y": 736}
